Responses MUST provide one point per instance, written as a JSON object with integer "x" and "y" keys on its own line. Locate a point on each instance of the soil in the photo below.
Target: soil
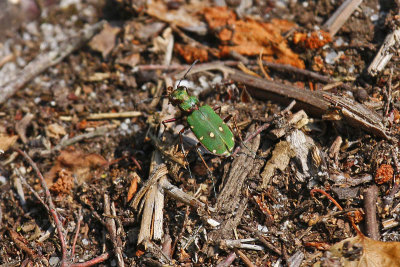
{"x": 122, "y": 70}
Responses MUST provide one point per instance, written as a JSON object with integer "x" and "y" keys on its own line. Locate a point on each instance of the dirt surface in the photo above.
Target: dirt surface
{"x": 340, "y": 139}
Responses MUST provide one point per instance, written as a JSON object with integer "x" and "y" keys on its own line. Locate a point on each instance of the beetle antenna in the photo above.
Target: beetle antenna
{"x": 184, "y": 76}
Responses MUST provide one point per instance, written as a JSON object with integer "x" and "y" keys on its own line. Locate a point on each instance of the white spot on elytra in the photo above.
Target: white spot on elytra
{"x": 233, "y": 139}
{"x": 201, "y": 138}
{"x": 212, "y": 134}
{"x": 214, "y": 151}
{"x": 191, "y": 127}
{"x": 220, "y": 128}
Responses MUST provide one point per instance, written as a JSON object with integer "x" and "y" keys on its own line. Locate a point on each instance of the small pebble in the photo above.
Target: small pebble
{"x": 53, "y": 261}
{"x": 361, "y": 95}
{"x": 262, "y": 228}
{"x": 124, "y": 126}
{"x": 93, "y": 95}
{"x": 374, "y": 17}
{"x": 339, "y": 41}
{"x": 3, "y": 180}
{"x": 85, "y": 242}
{"x": 331, "y": 57}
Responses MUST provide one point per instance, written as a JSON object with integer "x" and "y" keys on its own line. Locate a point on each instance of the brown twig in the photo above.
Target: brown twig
{"x": 228, "y": 260}
{"x": 78, "y": 227}
{"x": 21, "y": 243}
{"x": 371, "y": 223}
{"x": 244, "y": 258}
{"x": 110, "y": 224}
{"x": 97, "y": 260}
{"x": 233, "y": 63}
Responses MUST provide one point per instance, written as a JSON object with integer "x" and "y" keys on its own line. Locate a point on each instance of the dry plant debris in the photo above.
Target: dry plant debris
{"x": 83, "y": 92}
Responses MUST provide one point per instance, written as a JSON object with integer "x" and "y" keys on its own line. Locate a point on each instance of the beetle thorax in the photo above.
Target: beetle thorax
{"x": 181, "y": 98}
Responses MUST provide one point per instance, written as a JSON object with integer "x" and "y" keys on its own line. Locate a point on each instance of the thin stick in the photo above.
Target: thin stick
{"x": 78, "y": 227}
{"x": 52, "y": 208}
{"x": 244, "y": 258}
{"x": 109, "y": 116}
{"x": 94, "y": 261}
{"x": 280, "y": 67}
{"x": 112, "y": 231}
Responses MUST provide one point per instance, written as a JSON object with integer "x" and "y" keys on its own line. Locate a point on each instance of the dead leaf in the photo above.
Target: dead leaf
{"x": 191, "y": 53}
{"x": 55, "y": 131}
{"x": 185, "y": 16}
{"x": 361, "y": 251}
{"x": 104, "y": 41}
{"x": 7, "y": 141}
{"x": 78, "y": 163}
{"x": 280, "y": 160}
{"x": 131, "y": 60}
{"x": 249, "y": 37}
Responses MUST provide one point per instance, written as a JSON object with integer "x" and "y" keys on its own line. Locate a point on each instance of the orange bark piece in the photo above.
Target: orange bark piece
{"x": 357, "y": 215}
{"x": 383, "y": 174}
{"x": 225, "y": 35}
{"x": 312, "y": 40}
{"x": 318, "y": 245}
{"x": 191, "y": 53}
{"x": 64, "y": 183}
{"x": 219, "y": 16}
{"x": 132, "y": 188}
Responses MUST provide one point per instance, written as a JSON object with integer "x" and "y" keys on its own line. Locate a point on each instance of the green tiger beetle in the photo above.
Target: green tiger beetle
{"x": 209, "y": 128}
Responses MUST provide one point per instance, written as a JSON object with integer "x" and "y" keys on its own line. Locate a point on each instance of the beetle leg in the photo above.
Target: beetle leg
{"x": 227, "y": 118}
{"x": 217, "y": 108}
{"x": 168, "y": 121}
{"x": 234, "y": 124}
{"x": 195, "y": 147}
{"x": 202, "y": 159}
{"x": 236, "y": 127}
{"x": 181, "y": 139}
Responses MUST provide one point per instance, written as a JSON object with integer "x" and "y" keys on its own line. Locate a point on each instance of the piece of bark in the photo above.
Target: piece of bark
{"x": 231, "y": 204}
{"x": 385, "y": 53}
{"x": 230, "y": 195}
{"x": 371, "y": 223}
